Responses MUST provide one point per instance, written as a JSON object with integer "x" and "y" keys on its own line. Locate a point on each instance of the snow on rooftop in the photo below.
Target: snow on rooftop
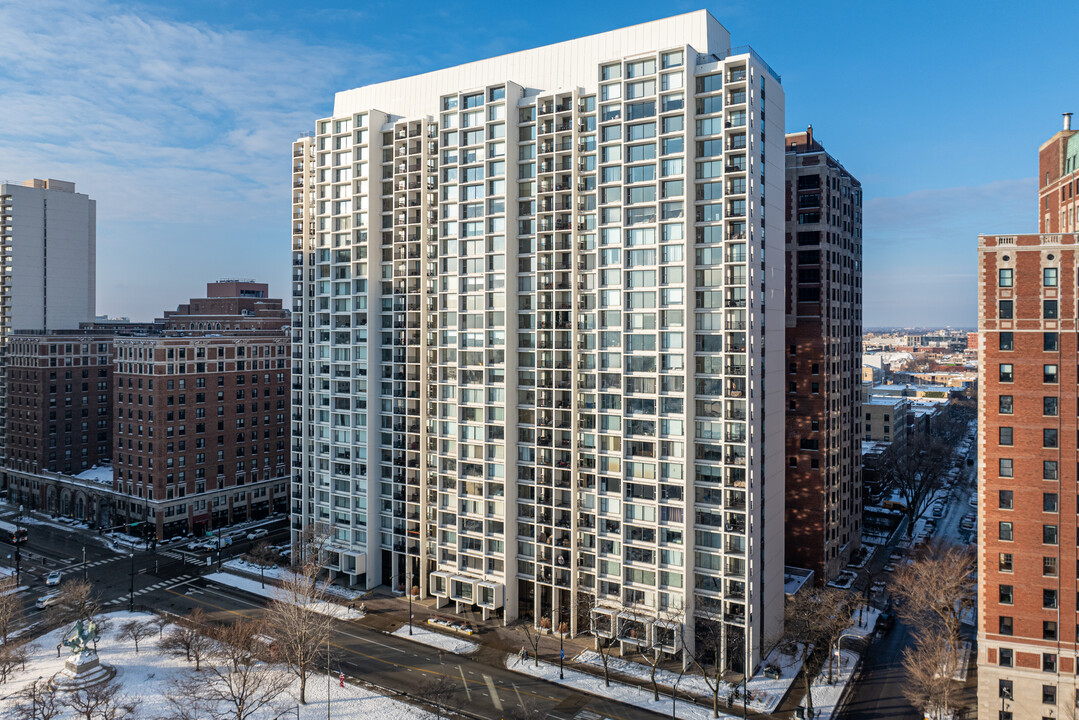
{"x": 98, "y": 474}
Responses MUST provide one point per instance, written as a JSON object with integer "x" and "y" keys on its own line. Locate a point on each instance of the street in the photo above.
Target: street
{"x": 167, "y": 581}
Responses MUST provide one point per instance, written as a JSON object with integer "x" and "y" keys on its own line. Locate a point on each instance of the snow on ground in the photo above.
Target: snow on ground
{"x": 280, "y": 573}
{"x": 145, "y": 676}
{"x": 766, "y": 693}
{"x": 826, "y": 696}
{"x": 420, "y": 634}
{"x": 628, "y": 694}
{"x": 869, "y": 622}
{"x": 341, "y": 612}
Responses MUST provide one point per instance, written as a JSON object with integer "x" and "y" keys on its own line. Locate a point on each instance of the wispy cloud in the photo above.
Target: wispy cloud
{"x": 919, "y": 249}
{"x": 170, "y": 126}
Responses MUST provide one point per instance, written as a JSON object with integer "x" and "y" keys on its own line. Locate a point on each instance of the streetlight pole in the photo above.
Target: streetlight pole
{"x": 219, "y": 548}
{"x": 83, "y": 562}
{"x": 408, "y": 576}
{"x": 131, "y": 591}
{"x": 561, "y": 651}
{"x": 18, "y": 545}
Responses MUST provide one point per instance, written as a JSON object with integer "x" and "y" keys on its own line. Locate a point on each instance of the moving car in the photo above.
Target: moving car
{"x": 256, "y": 534}
{"x": 53, "y": 578}
{"x": 886, "y": 622}
{"x": 46, "y": 600}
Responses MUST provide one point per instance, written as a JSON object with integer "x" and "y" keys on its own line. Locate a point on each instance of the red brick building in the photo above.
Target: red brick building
{"x": 1027, "y": 574}
{"x": 1058, "y": 181}
{"x": 202, "y": 413}
{"x": 823, "y": 342}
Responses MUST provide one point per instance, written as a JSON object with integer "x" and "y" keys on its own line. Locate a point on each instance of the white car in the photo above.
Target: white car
{"x": 256, "y": 534}
{"x": 46, "y": 600}
{"x": 53, "y": 578}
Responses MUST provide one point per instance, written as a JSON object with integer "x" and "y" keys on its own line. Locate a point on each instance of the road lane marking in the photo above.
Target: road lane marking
{"x": 468, "y": 693}
{"x": 494, "y": 693}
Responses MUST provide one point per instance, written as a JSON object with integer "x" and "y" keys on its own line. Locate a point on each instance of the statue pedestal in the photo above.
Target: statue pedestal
{"x": 82, "y": 670}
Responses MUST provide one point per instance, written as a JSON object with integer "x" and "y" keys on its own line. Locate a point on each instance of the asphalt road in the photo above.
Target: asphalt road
{"x": 170, "y": 580}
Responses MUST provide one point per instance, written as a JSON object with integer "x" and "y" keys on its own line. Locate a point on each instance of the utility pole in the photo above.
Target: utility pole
{"x": 83, "y": 562}
{"x": 18, "y": 545}
{"x": 219, "y": 548}
{"x": 131, "y": 596}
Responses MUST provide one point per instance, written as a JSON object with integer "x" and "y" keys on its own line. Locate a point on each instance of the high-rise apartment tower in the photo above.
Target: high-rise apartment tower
{"x": 823, "y": 359}
{"x": 538, "y": 332}
{"x": 1028, "y": 487}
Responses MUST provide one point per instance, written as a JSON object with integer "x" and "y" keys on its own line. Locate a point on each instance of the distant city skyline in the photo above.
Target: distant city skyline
{"x": 179, "y": 119}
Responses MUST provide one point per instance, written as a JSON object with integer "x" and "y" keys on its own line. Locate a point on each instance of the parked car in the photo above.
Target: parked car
{"x": 46, "y": 600}
{"x": 256, "y": 534}
{"x": 53, "y": 578}
{"x": 890, "y": 567}
{"x": 938, "y": 511}
{"x": 886, "y": 622}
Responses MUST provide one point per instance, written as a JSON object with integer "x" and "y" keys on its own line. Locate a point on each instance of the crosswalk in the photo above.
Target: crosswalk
{"x": 171, "y": 583}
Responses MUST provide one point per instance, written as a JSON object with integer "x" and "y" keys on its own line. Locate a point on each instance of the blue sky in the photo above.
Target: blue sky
{"x": 178, "y": 118}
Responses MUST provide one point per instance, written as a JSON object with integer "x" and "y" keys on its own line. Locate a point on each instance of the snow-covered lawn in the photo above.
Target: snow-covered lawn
{"x": 341, "y": 612}
{"x": 628, "y": 694}
{"x": 826, "y": 696}
{"x": 144, "y": 679}
{"x": 766, "y": 693}
{"x": 869, "y": 616}
{"x": 420, "y": 634}
{"x": 279, "y": 573}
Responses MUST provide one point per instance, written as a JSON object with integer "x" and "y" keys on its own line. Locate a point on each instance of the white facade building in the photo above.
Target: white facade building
{"x": 538, "y": 325}
{"x": 48, "y": 240}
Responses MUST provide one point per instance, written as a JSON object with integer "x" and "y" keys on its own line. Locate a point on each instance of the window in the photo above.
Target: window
{"x": 1005, "y": 689}
{"x": 1049, "y": 277}
{"x": 1049, "y": 374}
{"x": 1006, "y": 277}
{"x": 1006, "y": 406}
{"x": 1049, "y": 598}
{"x": 1006, "y": 500}
{"x": 1049, "y": 309}
{"x": 1005, "y": 467}
{"x": 1004, "y": 626}
{"x": 1006, "y": 596}
{"x": 1049, "y": 662}
{"x": 1050, "y": 502}
{"x": 1049, "y": 470}
{"x": 1005, "y": 310}
{"x": 1049, "y": 437}
{"x": 1007, "y": 372}
{"x": 1050, "y": 342}
{"x": 1049, "y": 535}
{"x": 1049, "y": 566}
{"x": 1007, "y": 341}
{"x": 1005, "y": 531}
{"x": 1005, "y": 657}
{"x": 1004, "y": 563}
{"x": 1049, "y": 406}
{"x": 1005, "y": 436}
{"x": 1049, "y": 692}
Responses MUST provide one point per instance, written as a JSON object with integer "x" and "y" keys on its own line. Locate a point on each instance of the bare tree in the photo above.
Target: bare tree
{"x": 189, "y": 638}
{"x": 135, "y": 631}
{"x": 13, "y": 655}
{"x": 186, "y": 698}
{"x": 936, "y": 589}
{"x": 811, "y": 620}
{"x": 38, "y": 701}
{"x": 915, "y": 472}
{"x": 600, "y": 625}
{"x": 237, "y": 684}
{"x": 263, "y": 556}
{"x": 301, "y": 633}
{"x": 100, "y": 702}
{"x": 532, "y": 634}
{"x": 930, "y": 665}
{"x": 710, "y": 657}
{"x": 10, "y": 607}
{"x": 440, "y": 693}
{"x": 160, "y": 621}
{"x": 650, "y": 651}
{"x": 76, "y": 600}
